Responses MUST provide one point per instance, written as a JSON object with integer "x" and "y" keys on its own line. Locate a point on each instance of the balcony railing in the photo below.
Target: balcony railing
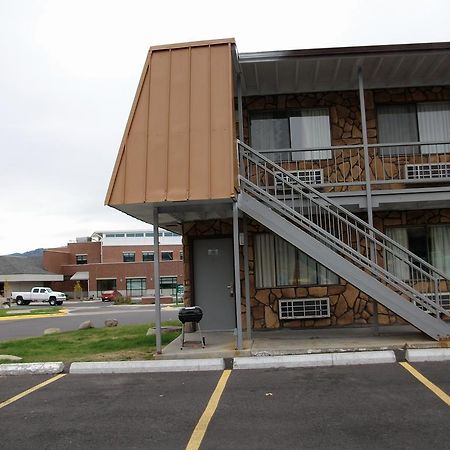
{"x": 344, "y": 168}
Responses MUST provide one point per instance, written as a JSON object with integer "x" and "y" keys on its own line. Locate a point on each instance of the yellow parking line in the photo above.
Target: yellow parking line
{"x": 202, "y": 425}
{"x": 432, "y": 387}
{"x": 29, "y": 391}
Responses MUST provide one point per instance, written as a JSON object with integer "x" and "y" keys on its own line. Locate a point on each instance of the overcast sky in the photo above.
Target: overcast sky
{"x": 69, "y": 72}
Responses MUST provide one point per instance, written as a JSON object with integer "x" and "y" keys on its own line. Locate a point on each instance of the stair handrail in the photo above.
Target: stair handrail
{"x": 369, "y": 233}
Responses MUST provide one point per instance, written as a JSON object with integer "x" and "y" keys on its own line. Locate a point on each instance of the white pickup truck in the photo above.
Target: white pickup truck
{"x": 39, "y": 294}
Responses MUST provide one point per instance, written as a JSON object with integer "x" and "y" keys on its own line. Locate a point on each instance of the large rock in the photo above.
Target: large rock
{"x": 52, "y": 331}
{"x": 111, "y": 323}
{"x": 85, "y": 325}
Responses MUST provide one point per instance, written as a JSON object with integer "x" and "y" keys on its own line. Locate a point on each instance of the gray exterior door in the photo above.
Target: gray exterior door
{"x": 213, "y": 274}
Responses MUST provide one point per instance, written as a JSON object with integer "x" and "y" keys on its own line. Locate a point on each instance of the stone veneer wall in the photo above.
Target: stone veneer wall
{"x": 346, "y": 129}
{"x": 349, "y": 306}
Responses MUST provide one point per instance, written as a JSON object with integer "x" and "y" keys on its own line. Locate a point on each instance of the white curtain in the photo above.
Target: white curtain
{"x": 326, "y": 276}
{"x": 395, "y": 258}
{"x": 286, "y": 263}
{"x": 397, "y": 123}
{"x": 434, "y": 125}
{"x": 440, "y": 247}
{"x": 268, "y": 133}
{"x": 264, "y": 260}
{"x": 311, "y": 129}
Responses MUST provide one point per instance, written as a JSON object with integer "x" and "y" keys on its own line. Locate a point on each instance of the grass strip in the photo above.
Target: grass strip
{"x": 12, "y": 312}
{"x": 121, "y": 343}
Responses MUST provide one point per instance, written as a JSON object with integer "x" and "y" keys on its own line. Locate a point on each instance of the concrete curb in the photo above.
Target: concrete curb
{"x": 46, "y": 368}
{"x": 314, "y": 360}
{"x": 428, "y": 354}
{"x": 180, "y": 365}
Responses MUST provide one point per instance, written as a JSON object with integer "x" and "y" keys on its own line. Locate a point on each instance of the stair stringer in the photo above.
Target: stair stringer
{"x": 432, "y": 326}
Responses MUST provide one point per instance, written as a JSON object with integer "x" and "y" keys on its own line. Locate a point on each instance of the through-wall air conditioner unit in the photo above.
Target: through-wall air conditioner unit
{"x": 309, "y": 176}
{"x": 303, "y": 308}
{"x": 427, "y": 171}
{"x": 445, "y": 302}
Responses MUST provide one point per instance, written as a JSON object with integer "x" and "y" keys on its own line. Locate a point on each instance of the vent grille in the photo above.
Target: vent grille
{"x": 310, "y": 176}
{"x": 304, "y": 308}
{"x": 427, "y": 171}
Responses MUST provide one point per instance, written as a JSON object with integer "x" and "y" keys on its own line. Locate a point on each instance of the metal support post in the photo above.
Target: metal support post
{"x": 240, "y": 113}
{"x": 156, "y": 279}
{"x": 372, "y": 249}
{"x": 237, "y": 275}
{"x": 248, "y": 311}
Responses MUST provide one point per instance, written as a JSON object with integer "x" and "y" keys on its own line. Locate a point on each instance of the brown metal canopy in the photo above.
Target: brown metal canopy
{"x": 179, "y": 141}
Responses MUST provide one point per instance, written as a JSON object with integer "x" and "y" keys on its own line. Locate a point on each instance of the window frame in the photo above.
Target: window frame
{"x": 166, "y": 252}
{"x": 288, "y": 115}
{"x": 126, "y": 255}
{"x": 141, "y": 290}
{"x": 146, "y": 254}
{"x": 274, "y": 275}
{"x": 81, "y": 261}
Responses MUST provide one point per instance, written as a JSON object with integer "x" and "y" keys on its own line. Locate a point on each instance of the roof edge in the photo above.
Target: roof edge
{"x": 192, "y": 44}
{"x": 343, "y": 51}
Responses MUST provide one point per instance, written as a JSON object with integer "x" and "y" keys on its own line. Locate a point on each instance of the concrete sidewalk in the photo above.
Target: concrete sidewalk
{"x": 222, "y": 344}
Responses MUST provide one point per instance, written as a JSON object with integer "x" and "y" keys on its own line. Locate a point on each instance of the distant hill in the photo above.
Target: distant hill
{"x": 35, "y": 252}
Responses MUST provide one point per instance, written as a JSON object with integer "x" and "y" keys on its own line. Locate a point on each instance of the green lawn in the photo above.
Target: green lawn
{"x": 124, "y": 342}
{"x": 14, "y": 312}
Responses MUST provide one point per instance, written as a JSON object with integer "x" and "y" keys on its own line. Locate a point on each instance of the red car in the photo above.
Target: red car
{"x": 108, "y": 296}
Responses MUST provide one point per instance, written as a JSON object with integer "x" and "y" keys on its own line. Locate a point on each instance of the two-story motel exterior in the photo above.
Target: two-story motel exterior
{"x": 292, "y": 175}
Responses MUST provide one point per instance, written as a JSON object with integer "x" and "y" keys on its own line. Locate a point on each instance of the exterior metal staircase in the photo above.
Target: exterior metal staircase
{"x": 339, "y": 240}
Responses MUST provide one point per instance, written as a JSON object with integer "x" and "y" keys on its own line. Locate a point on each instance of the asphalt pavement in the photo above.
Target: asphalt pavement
{"x": 370, "y": 407}
{"x": 78, "y": 312}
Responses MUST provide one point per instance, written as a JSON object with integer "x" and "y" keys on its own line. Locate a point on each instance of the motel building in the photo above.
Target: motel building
{"x": 311, "y": 188}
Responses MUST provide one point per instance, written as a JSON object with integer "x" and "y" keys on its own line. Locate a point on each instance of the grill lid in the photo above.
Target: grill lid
{"x": 190, "y": 314}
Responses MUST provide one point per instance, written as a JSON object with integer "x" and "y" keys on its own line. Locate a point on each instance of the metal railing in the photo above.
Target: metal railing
{"x": 343, "y": 232}
{"x": 341, "y": 167}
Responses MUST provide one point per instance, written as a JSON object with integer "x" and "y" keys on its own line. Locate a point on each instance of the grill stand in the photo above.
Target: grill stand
{"x": 202, "y": 338}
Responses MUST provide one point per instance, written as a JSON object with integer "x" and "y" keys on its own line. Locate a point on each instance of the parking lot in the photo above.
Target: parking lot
{"x": 351, "y": 407}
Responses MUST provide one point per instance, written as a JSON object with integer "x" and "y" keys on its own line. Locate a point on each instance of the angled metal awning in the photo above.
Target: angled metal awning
{"x": 80, "y": 276}
{"x": 335, "y": 69}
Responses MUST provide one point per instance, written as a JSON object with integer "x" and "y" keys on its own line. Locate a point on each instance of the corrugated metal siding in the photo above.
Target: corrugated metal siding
{"x": 179, "y": 143}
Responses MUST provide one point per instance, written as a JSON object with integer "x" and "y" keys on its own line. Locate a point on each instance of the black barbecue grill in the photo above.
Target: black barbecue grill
{"x": 191, "y": 314}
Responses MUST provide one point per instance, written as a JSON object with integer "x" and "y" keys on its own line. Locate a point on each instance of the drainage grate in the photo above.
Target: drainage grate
{"x": 304, "y": 308}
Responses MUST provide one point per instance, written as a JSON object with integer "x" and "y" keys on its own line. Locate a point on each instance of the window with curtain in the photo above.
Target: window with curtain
{"x": 311, "y": 128}
{"x": 305, "y": 128}
{"x": 440, "y": 247}
{"x": 430, "y": 242}
{"x": 397, "y": 123}
{"x": 278, "y": 263}
{"x": 395, "y": 259}
{"x": 434, "y": 125}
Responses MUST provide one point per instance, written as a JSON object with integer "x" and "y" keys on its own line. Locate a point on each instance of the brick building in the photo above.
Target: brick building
{"x": 121, "y": 260}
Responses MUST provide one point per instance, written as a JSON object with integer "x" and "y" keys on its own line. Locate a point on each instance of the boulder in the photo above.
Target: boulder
{"x": 111, "y": 323}
{"x": 85, "y": 325}
{"x": 52, "y": 331}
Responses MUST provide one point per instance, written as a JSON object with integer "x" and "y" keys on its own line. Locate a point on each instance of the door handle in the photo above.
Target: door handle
{"x": 230, "y": 287}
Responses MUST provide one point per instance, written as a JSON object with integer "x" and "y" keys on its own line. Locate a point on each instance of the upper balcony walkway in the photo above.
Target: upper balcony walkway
{"x": 401, "y": 172}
